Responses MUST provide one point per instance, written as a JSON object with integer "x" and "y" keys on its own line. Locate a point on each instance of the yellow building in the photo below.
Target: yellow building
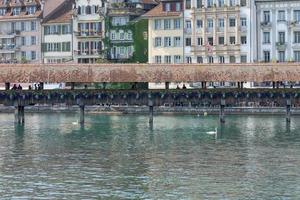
{"x": 165, "y": 32}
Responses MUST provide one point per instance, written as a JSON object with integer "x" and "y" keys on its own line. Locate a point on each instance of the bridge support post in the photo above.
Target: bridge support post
{"x": 19, "y": 114}
{"x": 242, "y": 85}
{"x": 203, "y": 84}
{"x": 7, "y": 86}
{"x": 72, "y": 85}
{"x": 222, "y": 113}
{"x": 81, "y": 114}
{"x": 239, "y": 84}
{"x": 288, "y": 110}
{"x": 167, "y": 85}
{"x": 150, "y": 104}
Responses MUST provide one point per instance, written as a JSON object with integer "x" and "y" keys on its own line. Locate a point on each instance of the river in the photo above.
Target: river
{"x": 122, "y": 157}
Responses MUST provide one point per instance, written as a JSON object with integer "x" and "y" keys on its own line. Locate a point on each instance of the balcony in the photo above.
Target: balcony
{"x": 9, "y": 35}
{"x": 88, "y": 53}
{"x": 89, "y": 34}
{"x": 281, "y": 46}
{"x": 216, "y": 48}
{"x": 8, "y": 48}
{"x": 188, "y": 30}
{"x": 266, "y": 24}
{"x": 292, "y": 24}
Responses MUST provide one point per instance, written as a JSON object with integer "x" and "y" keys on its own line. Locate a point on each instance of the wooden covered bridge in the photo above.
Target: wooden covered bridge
{"x": 110, "y": 73}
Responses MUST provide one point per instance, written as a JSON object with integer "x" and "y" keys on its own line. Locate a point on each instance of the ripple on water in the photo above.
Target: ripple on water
{"x": 121, "y": 157}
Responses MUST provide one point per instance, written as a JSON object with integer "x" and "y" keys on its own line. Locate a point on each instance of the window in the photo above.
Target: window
{"x": 266, "y": 56}
{"x": 266, "y": 38}
{"x": 281, "y": 15}
{"x": 232, "y": 40}
{"x": 188, "y": 24}
{"x": 281, "y": 55}
{"x": 221, "y": 40}
{"x": 281, "y": 37}
{"x": 22, "y": 26}
{"x": 177, "y": 59}
{"x": 243, "y": 39}
{"x": 199, "y": 3}
{"x": 297, "y": 15}
{"x": 199, "y": 59}
{"x": 297, "y": 56}
{"x": 221, "y": 23}
{"x": 209, "y": 3}
{"x": 210, "y": 59}
{"x": 231, "y": 2}
{"x": 231, "y": 59}
{"x": 210, "y": 23}
{"x": 243, "y": 58}
{"x": 16, "y": 11}
{"x": 178, "y": 7}
{"x": 221, "y": 3}
{"x": 33, "y": 40}
{"x": 2, "y": 11}
{"x": 167, "y": 42}
{"x": 33, "y": 26}
{"x": 23, "y": 54}
{"x": 200, "y": 41}
{"x": 210, "y": 40}
{"x": 243, "y": 22}
{"x": 188, "y": 42}
{"x": 157, "y": 42}
{"x": 221, "y": 59}
{"x": 168, "y": 59}
{"x": 243, "y": 2}
{"x": 30, "y": 10}
{"x": 33, "y": 55}
{"x": 199, "y": 23}
{"x": 266, "y": 16}
{"x": 23, "y": 41}
{"x": 177, "y": 42}
{"x": 167, "y": 24}
{"x": 157, "y": 24}
{"x": 188, "y": 59}
{"x": 232, "y": 22}
{"x": 176, "y": 23}
{"x": 297, "y": 37}
{"x": 168, "y": 7}
{"x": 187, "y": 4}
{"x": 157, "y": 59}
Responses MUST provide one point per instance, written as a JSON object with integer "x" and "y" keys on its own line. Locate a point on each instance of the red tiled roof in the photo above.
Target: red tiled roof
{"x": 158, "y": 12}
{"x": 62, "y": 13}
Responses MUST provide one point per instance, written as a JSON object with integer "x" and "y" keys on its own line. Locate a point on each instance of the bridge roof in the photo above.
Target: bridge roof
{"x": 26, "y": 73}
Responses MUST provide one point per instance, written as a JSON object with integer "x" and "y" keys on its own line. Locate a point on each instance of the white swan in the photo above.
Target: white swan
{"x": 213, "y": 132}
{"x": 75, "y": 123}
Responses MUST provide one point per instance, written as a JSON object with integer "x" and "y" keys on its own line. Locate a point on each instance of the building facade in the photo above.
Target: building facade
{"x": 217, "y": 31}
{"x": 57, "y": 46}
{"x": 278, "y": 31}
{"x": 20, "y": 31}
{"x": 165, "y": 32}
{"x": 88, "y": 30}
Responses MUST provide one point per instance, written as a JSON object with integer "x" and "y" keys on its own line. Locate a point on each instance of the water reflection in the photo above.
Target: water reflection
{"x": 123, "y": 157}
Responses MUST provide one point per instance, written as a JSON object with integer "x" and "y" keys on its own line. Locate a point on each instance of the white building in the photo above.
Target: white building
{"x": 278, "y": 30}
{"x": 218, "y": 31}
{"x": 89, "y": 29}
{"x": 20, "y": 28}
{"x": 57, "y": 33}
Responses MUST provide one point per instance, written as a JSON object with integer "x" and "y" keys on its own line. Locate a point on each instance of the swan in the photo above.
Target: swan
{"x": 213, "y": 132}
{"x": 75, "y": 123}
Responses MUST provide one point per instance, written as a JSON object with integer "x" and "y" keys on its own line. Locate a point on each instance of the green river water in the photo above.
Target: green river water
{"x": 122, "y": 157}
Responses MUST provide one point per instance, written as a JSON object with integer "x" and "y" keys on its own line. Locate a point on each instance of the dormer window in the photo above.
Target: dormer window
{"x": 2, "y": 12}
{"x": 16, "y": 11}
{"x": 31, "y": 10}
